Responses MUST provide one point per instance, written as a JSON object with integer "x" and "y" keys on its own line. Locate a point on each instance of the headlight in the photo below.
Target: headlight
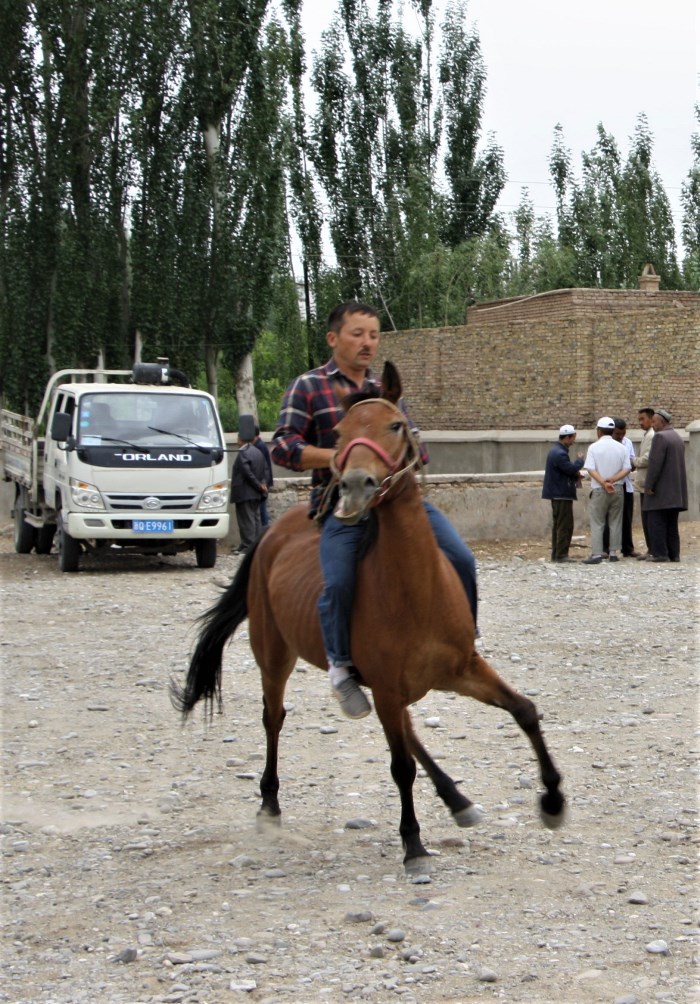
{"x": 215, "y": 497}
{"x": 84, "y": 495}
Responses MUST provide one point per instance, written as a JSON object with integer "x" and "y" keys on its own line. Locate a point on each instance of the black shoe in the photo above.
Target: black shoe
{"x": 595, "y": 559}
{"x": 613, "y": 557}
{"x": 658, "y": 559}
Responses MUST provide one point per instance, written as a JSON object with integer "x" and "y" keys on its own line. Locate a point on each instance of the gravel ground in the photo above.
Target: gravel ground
{"x": 133, "y": 872}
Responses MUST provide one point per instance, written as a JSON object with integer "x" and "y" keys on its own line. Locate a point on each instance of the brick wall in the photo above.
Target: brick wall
{"x": 564, "y": 356}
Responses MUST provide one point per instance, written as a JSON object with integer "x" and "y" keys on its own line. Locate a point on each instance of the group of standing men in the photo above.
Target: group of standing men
{"x": 657, "y": 474}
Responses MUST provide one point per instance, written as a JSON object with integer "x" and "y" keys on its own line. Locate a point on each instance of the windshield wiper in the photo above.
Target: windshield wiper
{"x": 216, "y": 450}
{"x": 108, "y": 439}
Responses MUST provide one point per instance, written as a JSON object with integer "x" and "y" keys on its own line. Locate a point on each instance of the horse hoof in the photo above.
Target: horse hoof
{"x": 551, "y": 821}
{"x": 418, "y": 866}
{"x": 469, "y": 816}
{"x": 265, "y": 821}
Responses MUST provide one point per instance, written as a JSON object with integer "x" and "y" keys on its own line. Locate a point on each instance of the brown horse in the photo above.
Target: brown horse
{"x": 412, "y": 627}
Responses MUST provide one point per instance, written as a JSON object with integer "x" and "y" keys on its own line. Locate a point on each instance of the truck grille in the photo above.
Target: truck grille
{"x": 120, "y": 502}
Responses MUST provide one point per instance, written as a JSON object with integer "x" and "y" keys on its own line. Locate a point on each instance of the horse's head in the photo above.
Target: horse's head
{"x": 376, "y": 448}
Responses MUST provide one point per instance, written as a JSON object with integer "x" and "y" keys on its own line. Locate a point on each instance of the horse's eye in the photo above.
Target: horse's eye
{"x": 396, "y": 426}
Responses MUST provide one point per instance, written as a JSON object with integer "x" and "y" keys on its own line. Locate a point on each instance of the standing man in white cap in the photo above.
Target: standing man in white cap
{"x": 561, "y": 476}
{"x": 608, "y": 464}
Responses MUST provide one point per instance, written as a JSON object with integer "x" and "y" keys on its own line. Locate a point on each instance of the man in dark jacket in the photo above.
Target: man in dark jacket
{"x": 561, "y": 476}
{"x": 665, "y": 488}
{"x": 260, "y": 444}
{"x": 248, "y": 488}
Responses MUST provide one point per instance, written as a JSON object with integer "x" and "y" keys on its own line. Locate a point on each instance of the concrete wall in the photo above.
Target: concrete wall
{"x": 495, "y": 495}
{"x": 502, "y": 452}
{"x": 480, "y": 506}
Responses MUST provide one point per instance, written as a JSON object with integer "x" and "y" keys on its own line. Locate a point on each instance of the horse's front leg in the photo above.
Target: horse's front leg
{"x": 464, "y": 812}
{"x": 403, "y": 771}
{"x": 273, "y": 719}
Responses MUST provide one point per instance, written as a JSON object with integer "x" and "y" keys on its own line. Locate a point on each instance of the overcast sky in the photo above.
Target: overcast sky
{"x": 578, "y": 64}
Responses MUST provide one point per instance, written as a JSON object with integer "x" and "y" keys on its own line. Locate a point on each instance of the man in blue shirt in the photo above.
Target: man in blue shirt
{"x": 561, "y": 478}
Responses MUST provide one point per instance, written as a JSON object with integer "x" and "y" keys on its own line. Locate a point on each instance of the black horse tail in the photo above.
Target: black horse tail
{"x": 217, "y": 625}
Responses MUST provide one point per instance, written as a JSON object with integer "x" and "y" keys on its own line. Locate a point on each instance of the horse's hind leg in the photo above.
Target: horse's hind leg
{"x": 464, "y": 812}
{"x": 483, "y": 683}
{"x": 273, "y": 718}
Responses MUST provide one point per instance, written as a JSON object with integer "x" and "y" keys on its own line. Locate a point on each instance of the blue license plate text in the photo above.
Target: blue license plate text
{"x": 152, "y": 525}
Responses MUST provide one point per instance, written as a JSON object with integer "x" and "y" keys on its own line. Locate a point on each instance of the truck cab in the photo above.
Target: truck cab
{"x": 138, "y": 465}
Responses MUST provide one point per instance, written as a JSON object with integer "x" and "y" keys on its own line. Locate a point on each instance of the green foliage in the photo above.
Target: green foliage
{"x": 616, "y": 218}
{"x": 690, "y": 200}
{"x": 145, "y": 169}
{"x": 475, "y": 180}
{"x": 154, "y": 159}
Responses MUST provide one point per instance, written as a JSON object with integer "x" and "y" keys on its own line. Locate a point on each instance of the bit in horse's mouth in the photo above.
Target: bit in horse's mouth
{"x": 352, "y": 517}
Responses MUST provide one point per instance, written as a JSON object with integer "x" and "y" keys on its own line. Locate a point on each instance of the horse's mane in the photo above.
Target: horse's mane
{"x": 355, "y": 396}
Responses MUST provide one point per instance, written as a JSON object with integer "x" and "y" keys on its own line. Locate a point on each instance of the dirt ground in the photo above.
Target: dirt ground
{"x": 132, "y": 870}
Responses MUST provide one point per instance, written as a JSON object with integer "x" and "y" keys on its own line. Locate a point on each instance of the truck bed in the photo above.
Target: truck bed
{"x": 23, "y": 455}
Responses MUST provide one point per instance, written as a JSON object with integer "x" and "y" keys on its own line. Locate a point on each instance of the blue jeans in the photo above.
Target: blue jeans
{"x": 339, "y": 545}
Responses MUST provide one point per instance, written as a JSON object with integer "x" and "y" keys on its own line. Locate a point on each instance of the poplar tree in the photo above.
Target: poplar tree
{"x": 617, "y": 217}
{"x": 690, "y": 201}
{"x": 475, "y": 179}
{"x": 382, "y": 115}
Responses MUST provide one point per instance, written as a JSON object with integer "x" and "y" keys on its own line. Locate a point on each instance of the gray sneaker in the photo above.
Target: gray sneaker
{"x": 353, "y": 702}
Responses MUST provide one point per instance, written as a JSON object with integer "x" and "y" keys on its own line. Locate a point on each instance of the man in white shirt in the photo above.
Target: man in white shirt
{"x": 608, "y": 464}
{"x": 628, "y": 548}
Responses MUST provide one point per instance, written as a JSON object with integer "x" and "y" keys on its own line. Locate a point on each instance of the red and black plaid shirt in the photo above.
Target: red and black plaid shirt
{"x": 310, "y": 412}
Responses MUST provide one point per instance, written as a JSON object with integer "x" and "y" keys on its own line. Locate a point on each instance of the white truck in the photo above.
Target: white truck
{"x": 123, "y": 459}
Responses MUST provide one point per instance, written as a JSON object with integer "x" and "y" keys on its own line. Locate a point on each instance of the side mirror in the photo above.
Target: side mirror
{"x": 60, "y": 426}
{"x": 60, "y": 429}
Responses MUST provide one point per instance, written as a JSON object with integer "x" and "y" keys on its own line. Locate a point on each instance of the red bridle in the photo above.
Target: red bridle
{"x": 342, "y": 458}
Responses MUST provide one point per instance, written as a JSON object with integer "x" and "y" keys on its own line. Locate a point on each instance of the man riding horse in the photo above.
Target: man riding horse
{"x": 305, "y": 440}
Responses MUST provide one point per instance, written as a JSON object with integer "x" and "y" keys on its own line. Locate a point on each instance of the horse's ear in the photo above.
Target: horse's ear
{"x": 391, "y": 382}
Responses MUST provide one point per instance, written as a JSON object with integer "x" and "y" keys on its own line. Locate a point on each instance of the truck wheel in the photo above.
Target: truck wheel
{"x": 25, "y": 535}
{"x": 68, "y": 551}
{"x": 205, "y": 551}
{"x": 44, "y": 538}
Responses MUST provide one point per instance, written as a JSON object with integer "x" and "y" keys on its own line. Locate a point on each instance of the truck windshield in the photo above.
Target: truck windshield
{"x": 147, "y": 419}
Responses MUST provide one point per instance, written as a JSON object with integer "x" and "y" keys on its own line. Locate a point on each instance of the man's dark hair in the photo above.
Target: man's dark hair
{"x": 647, "y": 411}
{"x": 620, "y": 423}
{"x": 338, "y": 314}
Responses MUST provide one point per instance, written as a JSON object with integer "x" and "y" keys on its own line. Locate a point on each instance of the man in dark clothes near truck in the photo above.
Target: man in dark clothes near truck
{"x": 248, "y": 484}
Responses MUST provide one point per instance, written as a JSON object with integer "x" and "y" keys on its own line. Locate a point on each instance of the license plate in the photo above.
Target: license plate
{"x": 152, "y": 525}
